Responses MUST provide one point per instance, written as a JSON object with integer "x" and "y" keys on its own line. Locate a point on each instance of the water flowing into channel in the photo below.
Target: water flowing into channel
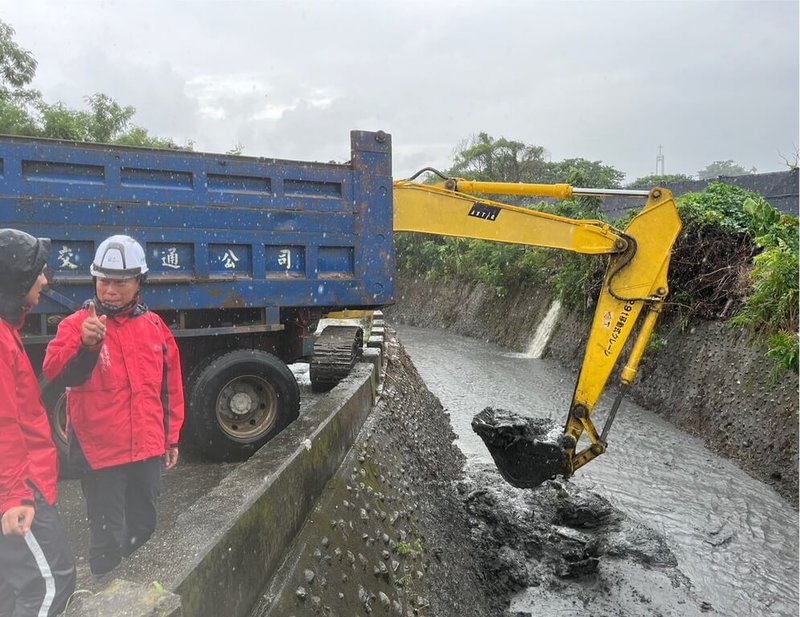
{"x": 734, "y": 537}
{"x": 544, "y": 330}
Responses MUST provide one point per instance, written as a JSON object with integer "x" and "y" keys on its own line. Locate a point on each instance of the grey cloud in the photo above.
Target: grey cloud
{"x": 157, "y": 92}
{"x": 601, "y": 80}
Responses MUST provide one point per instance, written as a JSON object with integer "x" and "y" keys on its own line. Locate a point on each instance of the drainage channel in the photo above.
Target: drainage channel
{"x": 734, "y": 537}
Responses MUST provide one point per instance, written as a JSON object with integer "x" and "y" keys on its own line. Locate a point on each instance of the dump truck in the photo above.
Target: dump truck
{"x": 246, "y": 255}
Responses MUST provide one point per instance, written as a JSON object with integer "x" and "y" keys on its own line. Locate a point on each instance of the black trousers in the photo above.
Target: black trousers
{"x": 37, "y": 572}
{"x": 121, "y": 506}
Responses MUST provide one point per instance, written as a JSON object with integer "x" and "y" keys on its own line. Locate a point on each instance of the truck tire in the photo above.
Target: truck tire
{"x": 54, "y": 398}
{"x": 238, "y": 401}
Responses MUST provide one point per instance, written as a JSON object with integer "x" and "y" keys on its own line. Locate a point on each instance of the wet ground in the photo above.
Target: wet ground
{"x": 189, "y": 481}
{"x": 733, "y": 538}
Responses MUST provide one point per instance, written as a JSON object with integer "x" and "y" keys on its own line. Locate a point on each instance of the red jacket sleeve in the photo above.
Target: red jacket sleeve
{"x": 64, "y": 347}
{"x": 14, "y": 491}
{"x": 174, "y": 387}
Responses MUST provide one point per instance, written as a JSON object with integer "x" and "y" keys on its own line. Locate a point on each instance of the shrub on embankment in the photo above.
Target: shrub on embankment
{"x": 736, "y": 261}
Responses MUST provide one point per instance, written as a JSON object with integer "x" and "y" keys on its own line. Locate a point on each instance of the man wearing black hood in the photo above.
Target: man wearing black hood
{"x": 37, "y": 569}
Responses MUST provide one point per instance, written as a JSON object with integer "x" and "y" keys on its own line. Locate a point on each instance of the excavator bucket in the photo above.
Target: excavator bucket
{"x": 526, "y": 451}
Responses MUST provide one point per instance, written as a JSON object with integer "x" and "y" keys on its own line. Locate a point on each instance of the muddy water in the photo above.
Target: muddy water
{"x": 734, "y": 537}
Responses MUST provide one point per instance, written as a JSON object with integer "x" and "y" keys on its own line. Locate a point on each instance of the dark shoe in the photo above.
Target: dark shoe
{"x": 101, "y": 581}
{"x": 104, "y": 563}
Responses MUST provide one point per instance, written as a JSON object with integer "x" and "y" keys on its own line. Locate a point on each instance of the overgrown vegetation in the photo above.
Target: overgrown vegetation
{"x": 736, "y": 260}
{"x": 573, "y": 278}
{"x": 771, "y": 307}
{"x": 409, "y": 548}
{"x": 652, "y": 180}
{"x": 716, "y": 169}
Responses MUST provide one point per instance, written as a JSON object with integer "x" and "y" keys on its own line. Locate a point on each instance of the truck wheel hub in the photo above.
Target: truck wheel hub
{"x": 241, "y": 403}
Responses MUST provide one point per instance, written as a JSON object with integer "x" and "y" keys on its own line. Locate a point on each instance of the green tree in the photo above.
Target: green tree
{"x": 237, "y": 150}
{"x": 483, "y": 157}
{"x": 583, "y": 173}
{"x": 723, "y": 168}
{"x": 59, "y": 122}
{"x": 650, "y": 181}
{"x": 792, "y": 161}
{"x": 137, "y": 136}
{"x": 105, "y": 121}
{"x": 17, "y": 67}
{"x": 503, "y": 266}
{"x": 15, "y": 119}
{"x": 108, "y": 120}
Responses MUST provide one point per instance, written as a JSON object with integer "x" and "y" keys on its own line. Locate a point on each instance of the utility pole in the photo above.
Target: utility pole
{"x": 660, "y": 160}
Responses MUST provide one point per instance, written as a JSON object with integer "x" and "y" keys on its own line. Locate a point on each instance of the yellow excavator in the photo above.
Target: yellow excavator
{"x": 525, "y": 451}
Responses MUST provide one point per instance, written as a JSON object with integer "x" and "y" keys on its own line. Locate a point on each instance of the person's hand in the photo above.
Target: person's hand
{"x": 93, "y": 329}
{"x": 170, "y": 458}
{"x": 17, "y": 520}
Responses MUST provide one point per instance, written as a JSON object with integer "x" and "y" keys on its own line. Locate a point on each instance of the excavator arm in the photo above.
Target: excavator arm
{"x": 633, "y": 291}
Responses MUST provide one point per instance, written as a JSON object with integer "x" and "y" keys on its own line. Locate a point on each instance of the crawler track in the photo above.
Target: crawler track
{"x": 335, "y": 352}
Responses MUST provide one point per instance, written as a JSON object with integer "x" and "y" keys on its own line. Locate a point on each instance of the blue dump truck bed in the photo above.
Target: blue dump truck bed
{"x": 219, "y": 231}
{"x": 245, "y": 256}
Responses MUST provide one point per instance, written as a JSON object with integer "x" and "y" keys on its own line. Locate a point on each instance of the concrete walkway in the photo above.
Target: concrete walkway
{"x": 227, "y": 526}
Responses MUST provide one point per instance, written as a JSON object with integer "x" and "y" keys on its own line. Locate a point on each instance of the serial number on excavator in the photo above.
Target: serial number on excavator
{"x": 623, "y": 319}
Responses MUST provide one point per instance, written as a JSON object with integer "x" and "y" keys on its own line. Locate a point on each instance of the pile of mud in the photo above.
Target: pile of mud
{"x": 557, "y": 549}
{"x": 402, "y": 530}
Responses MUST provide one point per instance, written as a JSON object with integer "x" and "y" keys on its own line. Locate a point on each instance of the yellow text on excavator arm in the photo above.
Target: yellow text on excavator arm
{"x": 635, "y": 281}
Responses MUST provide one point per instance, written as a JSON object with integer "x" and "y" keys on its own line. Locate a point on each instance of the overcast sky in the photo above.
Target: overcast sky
{"x": 611, "y": 81}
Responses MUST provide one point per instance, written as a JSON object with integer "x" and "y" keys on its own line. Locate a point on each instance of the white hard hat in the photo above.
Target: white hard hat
{"x": 119, "y": 257}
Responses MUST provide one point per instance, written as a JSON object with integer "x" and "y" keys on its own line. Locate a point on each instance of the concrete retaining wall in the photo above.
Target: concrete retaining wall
{"x": 223, "y": 550}
{"x": 390, "y": 535}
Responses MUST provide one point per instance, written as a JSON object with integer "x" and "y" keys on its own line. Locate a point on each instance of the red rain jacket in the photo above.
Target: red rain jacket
{"x": 27, "y": 453}
{"x": 130, "y": 406}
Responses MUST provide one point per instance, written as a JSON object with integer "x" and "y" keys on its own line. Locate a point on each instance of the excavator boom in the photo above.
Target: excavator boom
{"x": 434, "y": 210}
{"x": 633, "y": 293}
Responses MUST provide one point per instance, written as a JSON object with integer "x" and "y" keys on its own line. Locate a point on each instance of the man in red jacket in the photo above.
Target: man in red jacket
{"x": 124, "y": 401}
{"x": 37, "y": 570}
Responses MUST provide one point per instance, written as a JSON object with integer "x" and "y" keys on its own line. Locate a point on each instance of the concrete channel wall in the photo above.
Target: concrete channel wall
{"x": 223, "y": 550}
